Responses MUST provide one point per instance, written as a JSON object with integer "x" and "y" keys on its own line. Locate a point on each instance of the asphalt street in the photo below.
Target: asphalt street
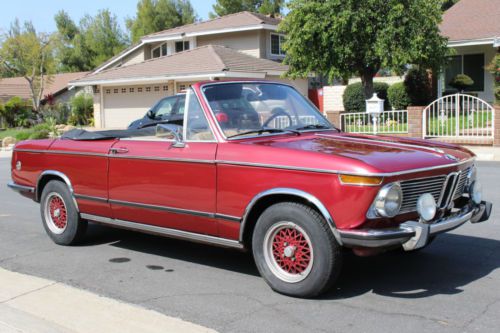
{"x": 451, "y": 286}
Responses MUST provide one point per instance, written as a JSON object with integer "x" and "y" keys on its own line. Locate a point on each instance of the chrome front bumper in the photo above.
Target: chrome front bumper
{"x": 413, "y": 234}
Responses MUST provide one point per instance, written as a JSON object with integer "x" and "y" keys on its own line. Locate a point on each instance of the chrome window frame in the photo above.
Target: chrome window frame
{"x": 221, "y": 131}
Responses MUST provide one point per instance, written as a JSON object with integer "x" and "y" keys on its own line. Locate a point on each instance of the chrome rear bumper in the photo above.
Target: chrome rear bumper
{"x": 412, "y": 234}
{"x": 21, "y": 188}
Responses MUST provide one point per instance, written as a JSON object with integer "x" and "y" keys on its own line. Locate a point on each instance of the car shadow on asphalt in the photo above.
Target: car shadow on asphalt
{"x": 200, "y": 254}
{"x": 443, "y": 268}
{"x": 447, "y": 265}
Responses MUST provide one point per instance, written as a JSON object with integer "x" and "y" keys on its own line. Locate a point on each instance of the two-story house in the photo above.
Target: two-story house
{"x": 241, "y": 45}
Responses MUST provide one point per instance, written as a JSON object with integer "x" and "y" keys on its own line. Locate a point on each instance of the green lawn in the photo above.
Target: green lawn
{"x": 10, "y": 132}
{"x": 474, "y": 123}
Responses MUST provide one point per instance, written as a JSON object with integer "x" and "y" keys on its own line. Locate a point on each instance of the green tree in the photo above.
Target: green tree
{"x": 225, "y": 7}
{"x": 158, "y": 15}
{"x": 26, "y": 53}
{"x": 341, "y": 38}
{"x": 93, "y": 41}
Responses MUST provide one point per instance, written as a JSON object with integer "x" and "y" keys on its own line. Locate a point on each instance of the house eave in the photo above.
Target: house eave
{"x": 472, "y": 42}
{"x": 165, "y": 78}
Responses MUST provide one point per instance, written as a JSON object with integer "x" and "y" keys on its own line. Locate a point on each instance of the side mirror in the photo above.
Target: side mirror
{"x": 150, "y": 114}
{"x": 171, "y": 131}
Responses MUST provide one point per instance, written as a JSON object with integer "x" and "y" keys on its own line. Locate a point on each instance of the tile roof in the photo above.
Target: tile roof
{"x": 18, "y": 86}
{"x": 472, "y": 19}
{"x": 236, "y": 20}
{"x": 202, "y": 60}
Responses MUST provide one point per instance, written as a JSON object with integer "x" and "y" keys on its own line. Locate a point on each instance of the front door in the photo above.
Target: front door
{"x": 155, "y": 182}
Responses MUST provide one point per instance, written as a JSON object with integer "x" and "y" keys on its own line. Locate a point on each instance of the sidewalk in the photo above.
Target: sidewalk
{"x": 34, "y": 305}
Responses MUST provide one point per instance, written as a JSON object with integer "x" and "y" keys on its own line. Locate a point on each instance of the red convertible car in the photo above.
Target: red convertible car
{"x": 254, "y": 165}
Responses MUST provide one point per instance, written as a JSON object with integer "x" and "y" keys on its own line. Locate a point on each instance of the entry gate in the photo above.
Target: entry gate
{"x": 459, "y": 116}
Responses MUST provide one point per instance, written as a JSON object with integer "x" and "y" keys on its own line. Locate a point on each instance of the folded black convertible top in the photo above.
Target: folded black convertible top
{"x": 83, "y": 135}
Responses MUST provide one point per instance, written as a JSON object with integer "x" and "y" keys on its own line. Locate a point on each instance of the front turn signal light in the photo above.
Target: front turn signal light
{"x": 360, "y": 180}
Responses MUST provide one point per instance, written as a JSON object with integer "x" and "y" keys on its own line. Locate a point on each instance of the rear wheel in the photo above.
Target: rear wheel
{"x": 59, "y": 214}
{"x": 295, "y": 251}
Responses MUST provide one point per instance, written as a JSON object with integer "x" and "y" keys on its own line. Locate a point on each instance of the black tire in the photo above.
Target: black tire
{"x": 63, "y": 231}
{"x": 324, "y": 265}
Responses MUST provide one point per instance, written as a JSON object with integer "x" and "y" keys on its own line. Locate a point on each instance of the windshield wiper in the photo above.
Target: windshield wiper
{"x": 264, "y": 130}
{"x": 312, "y": 126}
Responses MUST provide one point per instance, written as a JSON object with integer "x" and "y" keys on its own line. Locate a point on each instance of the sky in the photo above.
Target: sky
{"x": 41, "y": 12}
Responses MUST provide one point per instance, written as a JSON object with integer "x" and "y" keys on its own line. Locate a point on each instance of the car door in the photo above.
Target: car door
{"x": 156, "y": 182}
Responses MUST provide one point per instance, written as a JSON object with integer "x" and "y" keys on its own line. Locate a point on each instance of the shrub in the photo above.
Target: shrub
{"x": 418, "y": 86}
{"x": 494, "y": 69}
{"x": 461, "y": 82}
{"x": 354, "y": 97}
{"x": 82, "y": 110}
{"x": 24, "y": 135}
{"x": 41, "y": 134}
{"x": 398, "y": 96}
{"x": 18, "y": 113}
{"x": 60, "y": 112}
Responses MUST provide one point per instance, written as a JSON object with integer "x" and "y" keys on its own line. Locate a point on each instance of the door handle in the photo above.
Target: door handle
{"x": 120, "y": 150}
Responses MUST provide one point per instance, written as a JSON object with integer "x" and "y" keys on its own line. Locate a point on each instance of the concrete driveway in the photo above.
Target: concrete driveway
{"x": 453, "y": 285}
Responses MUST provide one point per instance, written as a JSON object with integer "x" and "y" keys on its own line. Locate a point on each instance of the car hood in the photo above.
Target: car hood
{"x": 370, "y": 154}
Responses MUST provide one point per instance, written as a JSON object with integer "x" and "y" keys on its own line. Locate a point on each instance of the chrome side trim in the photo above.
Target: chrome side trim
{"x": 375, "y": 174}
{"x": 182, "y": 160}
{"x": 90, "y": 198}
{"x": 60, "y": 152}
{"x": 161, "y": 231}
{"x": 20, "y": 188}
{"x": 176, "y": 210}
{"x": 60, "y": 175}
{"x": 294, "y": 192}
{"x": 264, "y": 165}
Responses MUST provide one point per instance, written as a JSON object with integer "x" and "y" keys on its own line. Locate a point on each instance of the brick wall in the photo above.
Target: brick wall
{"x": 334, "y": 117}
{"x": 415, "y": 128}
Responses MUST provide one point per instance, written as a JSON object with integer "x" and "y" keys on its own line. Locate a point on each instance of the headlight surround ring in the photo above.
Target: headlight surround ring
{"x": 388, "y": 201}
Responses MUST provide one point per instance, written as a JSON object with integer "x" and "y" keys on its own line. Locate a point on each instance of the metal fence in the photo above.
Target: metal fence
{"x": 386, "y": 122}
{"x": 284, "y": 121}
{"x": 458, "y": 115}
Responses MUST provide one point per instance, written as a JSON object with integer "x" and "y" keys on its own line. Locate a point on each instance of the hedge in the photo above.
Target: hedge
{"x": 398, "y": 96}
{"x": 354, "y": 97}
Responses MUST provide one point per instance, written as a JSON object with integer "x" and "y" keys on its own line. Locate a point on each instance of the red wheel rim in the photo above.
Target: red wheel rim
{"x": 57, "y": 210}
{"x": 291, "y": 250}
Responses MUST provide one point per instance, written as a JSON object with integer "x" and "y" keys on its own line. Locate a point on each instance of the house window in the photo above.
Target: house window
{"x": 139, "y": 89}
{"x": 115, "y": 91}
{"x": 471, "y": 65}
{"x": 159, "y": 51}
{"x": 131, "y": 90}
{"x": 124, "y": 90}
{"x": 108, "y": 91}
{"x": 165, "y": 88}
{"x": 277, "y": 41}
{"x": 148, "y": 89}
{"x": 157, "y": 88}
{"x": 182, "y": 87}
{"x": 181, "y": 46}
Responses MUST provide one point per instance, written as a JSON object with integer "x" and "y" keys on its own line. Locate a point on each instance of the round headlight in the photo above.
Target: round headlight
{"x": 476, "y": 192}
{"x": 389, "y": 199}
{"x": 426, "y": 206}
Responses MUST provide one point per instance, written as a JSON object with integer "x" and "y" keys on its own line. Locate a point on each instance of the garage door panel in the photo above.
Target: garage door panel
{"x": 122, "y": 105}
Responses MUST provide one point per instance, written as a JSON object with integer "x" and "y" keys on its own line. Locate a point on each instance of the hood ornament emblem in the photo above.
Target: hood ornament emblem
{"x": 451, "y": 157}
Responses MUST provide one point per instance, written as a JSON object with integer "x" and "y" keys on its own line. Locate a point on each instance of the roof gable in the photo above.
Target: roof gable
{"x": 472, "y": 19}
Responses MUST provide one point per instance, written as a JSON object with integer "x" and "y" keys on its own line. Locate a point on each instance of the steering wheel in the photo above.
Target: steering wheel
{"x": 275, "y": 113}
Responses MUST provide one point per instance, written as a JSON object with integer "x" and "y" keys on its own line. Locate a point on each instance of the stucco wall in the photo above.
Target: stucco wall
{"x": 246, "y": 41}
{"x": 134, "y": 58}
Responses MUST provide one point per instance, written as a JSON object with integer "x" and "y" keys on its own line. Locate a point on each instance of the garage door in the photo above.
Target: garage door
{"x": 122, "y": 105}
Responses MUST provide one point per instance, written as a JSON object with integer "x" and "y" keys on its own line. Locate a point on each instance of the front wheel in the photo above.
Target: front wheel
{"x": 295, "y": 250}
{"x": 59, "y": 214}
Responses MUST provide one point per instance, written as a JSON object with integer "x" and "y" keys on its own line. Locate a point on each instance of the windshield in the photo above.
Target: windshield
{"x": 249, "y": 109}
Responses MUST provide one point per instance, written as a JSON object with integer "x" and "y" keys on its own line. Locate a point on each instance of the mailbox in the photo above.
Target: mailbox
{"x": 375, "y": 104}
